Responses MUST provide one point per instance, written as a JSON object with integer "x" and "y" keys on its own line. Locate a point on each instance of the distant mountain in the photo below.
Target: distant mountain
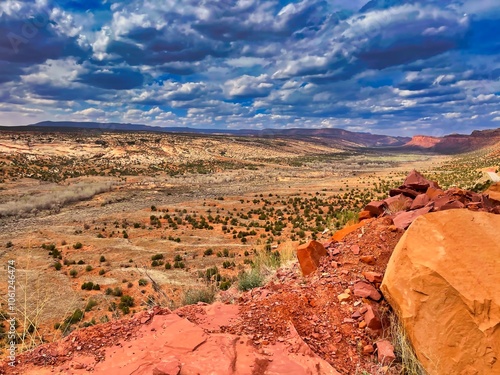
{"x": 331, "y": 137}
{"x": 456, "y": 143}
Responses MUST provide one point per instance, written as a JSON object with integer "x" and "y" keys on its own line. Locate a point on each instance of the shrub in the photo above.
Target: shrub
{"x": 75, "y": 317}
{"x": 57, "y": 266}
{"x": 73, "y": 273}
{"x": 102, "y": 272}
{"x": 90, "y": 305}
{"x": 168, "y": 266}
{"x": 77, "y": 245}
{"x": 193, "y": 296}
{"x": 142, "y": 282}
{"x": 208, "y": 252}
{"x": 9, "y": 244}
{"x": 157, "y": 257}
{"x": 102, "y": 259}
{"x": 88, "y": 285}
{"x": 81, "y": 261}
{"x": 250, "y": 280}
{"x": 177, "y": 258}
{"x": 88, "y": 268}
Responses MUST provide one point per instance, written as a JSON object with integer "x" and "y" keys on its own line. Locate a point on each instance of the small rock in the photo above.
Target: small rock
{"x": 373, "y": 277}
{"x": 385, "y": 352}
{"x": 343, "y": 297}
{"x": 368, "y": 349}
{"x": 365, "y": 290}
{"x": 355, "y": 249}
{"x": 368, "y": 259}
{"x": 371, "y": 319}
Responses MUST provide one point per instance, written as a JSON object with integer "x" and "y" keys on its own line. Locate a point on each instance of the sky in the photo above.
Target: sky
{"x": 398, "y": 67}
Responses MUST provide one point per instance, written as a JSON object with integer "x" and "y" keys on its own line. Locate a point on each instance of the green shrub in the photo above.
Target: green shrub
{"x": 75, "y": 317}
{"x": 102, "y": 259}
{"x": 208, "y": 252}
{"x": 88, "y": 268}
{"x": 90, "y": 305}
{"x": 88, "y": 285}
{"x": 77, "y": 245}
{"x": 157, "y": 257}
{"x": 57, "y": 266}
{"x": 250, "y": 280}
{"x": 73, "y": 273}
{"x": 142, "y": 282}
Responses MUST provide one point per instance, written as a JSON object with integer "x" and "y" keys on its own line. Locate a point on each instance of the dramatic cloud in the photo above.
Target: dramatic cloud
{"x": 387, "y": 66}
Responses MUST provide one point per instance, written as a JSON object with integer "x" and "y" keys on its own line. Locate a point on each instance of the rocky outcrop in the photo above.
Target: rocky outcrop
{"x": 165, "y": 343}
{"x": 442, "y": 280}
{"x": 455, "y": 143}
{"x": 418, "y": 196}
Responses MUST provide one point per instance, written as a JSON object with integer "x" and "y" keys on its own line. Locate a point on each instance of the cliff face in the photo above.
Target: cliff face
{"x": 456, "y": 143}
{"x": 423, "y": 141}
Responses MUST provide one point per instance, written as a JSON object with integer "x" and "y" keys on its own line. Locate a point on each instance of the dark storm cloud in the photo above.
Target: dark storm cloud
{"x": 257, "y": 62}
{"x": 113, "y": 79}
{"x": 34, "y": 40}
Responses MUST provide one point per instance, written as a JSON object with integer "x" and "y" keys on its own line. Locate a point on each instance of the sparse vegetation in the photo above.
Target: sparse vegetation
{"x": 202, "y": 294}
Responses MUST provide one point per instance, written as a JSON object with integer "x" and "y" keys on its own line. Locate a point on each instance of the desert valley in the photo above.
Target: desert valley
{"x": 105, "y": 225}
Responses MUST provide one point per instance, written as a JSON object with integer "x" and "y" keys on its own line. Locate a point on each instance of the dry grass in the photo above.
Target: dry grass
{"x": 55, "y": 199}
{"x": 410, "y": 365}
{"x": 401, "y": 204}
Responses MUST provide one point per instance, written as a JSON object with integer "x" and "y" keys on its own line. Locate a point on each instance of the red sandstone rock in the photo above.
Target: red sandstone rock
{"x": 371, "y": 318}
{"x": 365, "y": 290}
{"x": 374, "y": 277}
{"x": 403, "y": 219}
{"x": 385, "y": 352}
{"x": 368, "y": 349}
{"x": 309, "y": 255}
{"x": 376, "y": 208}
{"x": 418, "y": 182}
{"x": 168, "y": 366}
{"x": 451, "y": 205}
{"x": 364, "y": 215}
{"x": 410, "y": 193}
{"x": 420, "y": 201}
{"x": 434, "y": 193}
{"x": 355, "y": 249}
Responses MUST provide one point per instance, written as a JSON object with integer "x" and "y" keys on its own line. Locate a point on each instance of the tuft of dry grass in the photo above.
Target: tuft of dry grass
{"x": 401, "y": 204}
{"x": 410, "y": 365}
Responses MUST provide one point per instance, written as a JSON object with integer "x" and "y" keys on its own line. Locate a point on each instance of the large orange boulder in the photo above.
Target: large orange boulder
{"x": 309, "y": 255}
{"x": 443, "y": 281}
